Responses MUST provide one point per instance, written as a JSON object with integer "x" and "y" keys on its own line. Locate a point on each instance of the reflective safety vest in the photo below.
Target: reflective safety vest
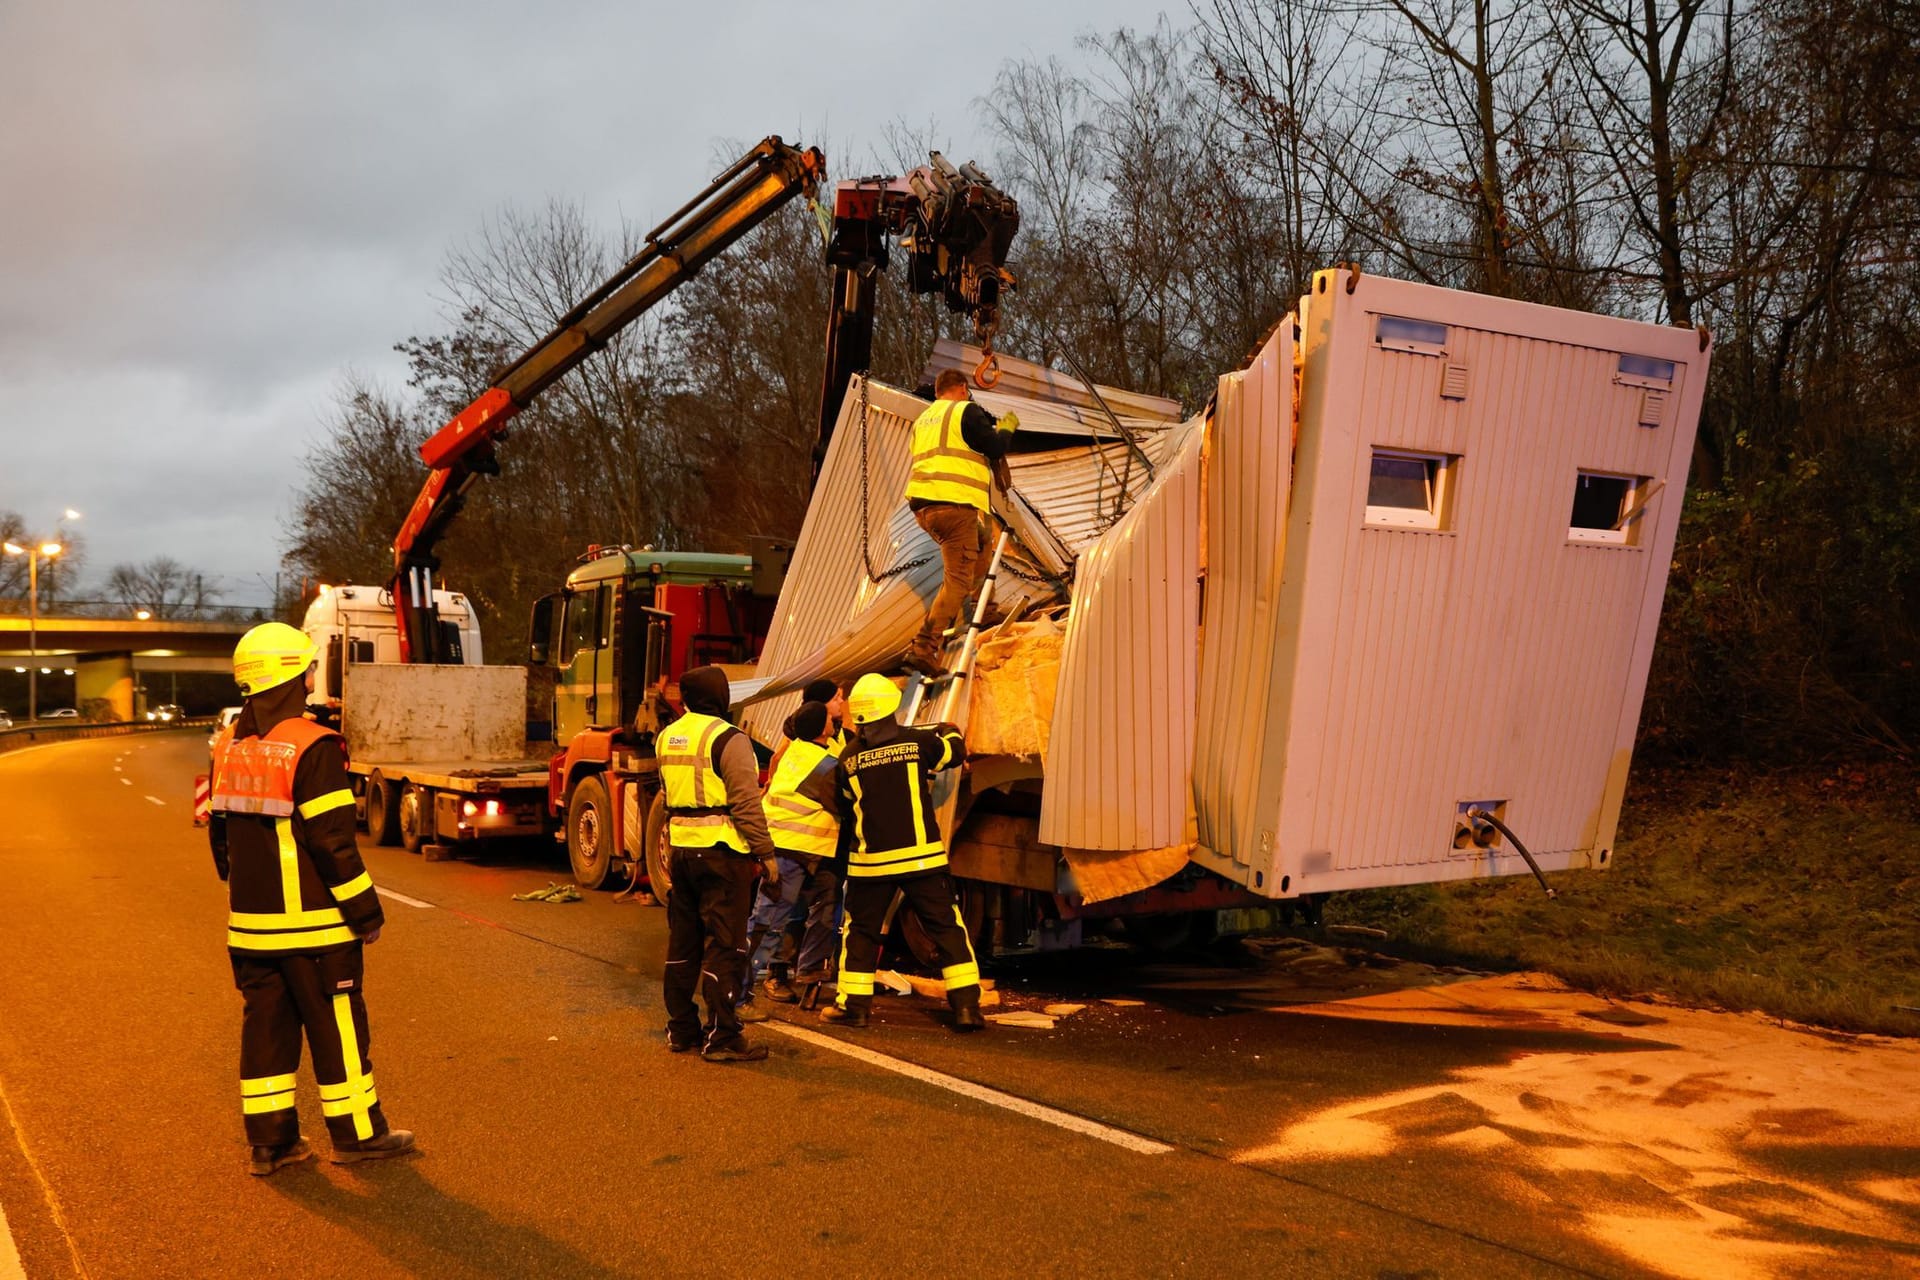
{"x": 945, "y": 469}
{"x": 698, "y": 816}
{"x": 254, "y": 777}
{"x": 797, "y": 823}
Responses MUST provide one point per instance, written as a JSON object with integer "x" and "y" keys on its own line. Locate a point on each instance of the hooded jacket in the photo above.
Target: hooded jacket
{"x": 704, "y": 691}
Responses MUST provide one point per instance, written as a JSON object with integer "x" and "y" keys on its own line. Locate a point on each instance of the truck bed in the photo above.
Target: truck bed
{"x": 459, "y": 775}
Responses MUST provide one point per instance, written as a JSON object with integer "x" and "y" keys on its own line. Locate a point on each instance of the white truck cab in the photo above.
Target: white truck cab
{"x": 354, "y": 625}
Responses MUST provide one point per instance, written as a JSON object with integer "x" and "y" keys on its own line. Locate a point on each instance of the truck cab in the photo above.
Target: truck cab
{"x": 355, "y": 624}
{"x": 618, "y": 636}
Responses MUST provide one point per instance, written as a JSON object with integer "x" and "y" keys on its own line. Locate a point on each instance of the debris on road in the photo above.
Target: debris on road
{"x": 1118, "y": 1003}
{"x": 1062, "y": 1010}
{"x": 552, "y": 893}
{"x": 904, "y": 984}
{"x": 1023, "y": 1018}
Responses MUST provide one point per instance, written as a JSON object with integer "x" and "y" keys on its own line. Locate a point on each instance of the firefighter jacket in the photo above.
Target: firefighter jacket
{"x": 282, "y": 831}
{"x": 949, "y": 462}
{"x": 885, "y": 784}
{"x": 796, "y": 819}
{"x": 711, "y": 781}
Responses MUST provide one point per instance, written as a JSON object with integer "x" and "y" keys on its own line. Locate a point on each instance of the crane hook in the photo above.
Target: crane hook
{"x": 986, "y": 374}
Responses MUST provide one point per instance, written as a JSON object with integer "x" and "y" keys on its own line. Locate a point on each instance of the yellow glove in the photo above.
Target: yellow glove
{"x": 1008, "y": 422}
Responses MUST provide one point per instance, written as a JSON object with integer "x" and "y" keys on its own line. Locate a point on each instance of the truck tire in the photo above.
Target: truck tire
{"x": 383, "y": 811}
{"x": 416, "y": 817}
{"x": 655, "y": 841}
{"x": 590, "y": 832}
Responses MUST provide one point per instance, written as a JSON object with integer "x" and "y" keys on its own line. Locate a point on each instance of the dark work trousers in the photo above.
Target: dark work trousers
{"x": 820, "y": 900}
{"x": 928, "y": 896}
{"x": 707, "y": 911}
{"x": 320, "y": 995}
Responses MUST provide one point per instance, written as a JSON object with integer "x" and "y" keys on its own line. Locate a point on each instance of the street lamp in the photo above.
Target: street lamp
{"x": 48, "y": 550}
{"x": 143, "y": 614}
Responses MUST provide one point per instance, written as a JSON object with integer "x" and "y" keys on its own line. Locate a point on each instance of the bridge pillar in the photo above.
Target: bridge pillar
{"x": 103, "y": 685}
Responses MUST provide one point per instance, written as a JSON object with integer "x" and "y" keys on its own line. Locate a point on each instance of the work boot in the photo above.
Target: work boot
{"x": 267, "y": 1159}
{"x": 394, "y": 1142}
{"x": 967, "y": 1017}
{"x": 750, "y": 1011}
{"x": 923, "y": 657}
{"x": 854, "y": 1013}
{"x": 776, "y": 988}
{"x": 734, "y": 1050}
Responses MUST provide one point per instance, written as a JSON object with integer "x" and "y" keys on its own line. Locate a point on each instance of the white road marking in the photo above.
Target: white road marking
{"x": 7, "y": 1247}
{"x": 156, "y": 800}
{"x": 10, "y": 1268}
{"x": 978, "y": 1092}
{"x": 126, "y": 782}
{"x": 116, "y": 768}
{"x": 401, "y": 897}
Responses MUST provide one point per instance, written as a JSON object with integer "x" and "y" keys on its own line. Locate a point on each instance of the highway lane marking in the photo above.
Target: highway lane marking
{"x": 126, "y": 782}
{"x": 10, "y": 1266}
{"x": 156, "y": 800}
{"x": 46, "y": 1190}
{"x": 401, "y": 897}
{"x": 978, "y": 1092}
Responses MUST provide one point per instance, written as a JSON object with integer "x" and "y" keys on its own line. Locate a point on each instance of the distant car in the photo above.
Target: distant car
{"x": 60, "y": 713}
{"x": 227, "y": 716}
{"x": 6, "y": 721}
{"x": 165, "y": 713}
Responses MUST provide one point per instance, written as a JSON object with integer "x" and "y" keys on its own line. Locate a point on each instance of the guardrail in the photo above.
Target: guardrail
{"x": 60, "y": 731}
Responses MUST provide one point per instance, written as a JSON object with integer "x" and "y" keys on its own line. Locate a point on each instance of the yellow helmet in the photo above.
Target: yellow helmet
{"x": 874, "y": 697}
{"x": 270, "y": 655}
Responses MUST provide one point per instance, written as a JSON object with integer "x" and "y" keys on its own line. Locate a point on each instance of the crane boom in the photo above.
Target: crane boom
{"x": 953, "y": 224}
{"x": 735, "y": 202}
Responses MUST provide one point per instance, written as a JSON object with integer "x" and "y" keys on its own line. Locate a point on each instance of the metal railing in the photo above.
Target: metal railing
{"x": 69, "y": 730}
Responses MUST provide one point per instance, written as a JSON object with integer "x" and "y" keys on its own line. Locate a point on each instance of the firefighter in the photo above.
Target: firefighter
{"x": 302, "y": 906}
{"x": 720, "y": 845}
{"x": 885, "y": 784}
{"x": 959, "y": 450}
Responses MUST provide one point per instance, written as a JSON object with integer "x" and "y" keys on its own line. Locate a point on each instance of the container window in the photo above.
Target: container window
{"x": 1602, "y": 507}
{"x": 1398, "y": 333}
{"x": 1644, "y": 371}
{"x": 1408, "y": 490}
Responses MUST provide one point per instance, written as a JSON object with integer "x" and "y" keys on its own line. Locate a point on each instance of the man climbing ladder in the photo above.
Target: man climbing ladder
{"x": 959, "y": 450}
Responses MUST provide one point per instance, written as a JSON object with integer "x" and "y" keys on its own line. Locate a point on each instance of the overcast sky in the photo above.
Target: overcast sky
{"x": 209, "y": 211}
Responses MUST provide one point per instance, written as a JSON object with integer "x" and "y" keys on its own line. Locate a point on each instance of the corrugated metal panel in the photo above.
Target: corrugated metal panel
{"x": 826, "y": 576}
{"x": 1123, "y": 717}
{"x": 1496, "y": 659}
{"x": 1248, "y": 474}
{"x": 1037, "y": 382}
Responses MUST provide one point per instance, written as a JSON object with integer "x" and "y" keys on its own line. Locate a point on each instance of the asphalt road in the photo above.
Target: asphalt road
{"x": 521, "y": 1041}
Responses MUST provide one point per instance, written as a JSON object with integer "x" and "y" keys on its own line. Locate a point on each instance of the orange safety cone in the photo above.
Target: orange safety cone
{"x": 202, "y": 799}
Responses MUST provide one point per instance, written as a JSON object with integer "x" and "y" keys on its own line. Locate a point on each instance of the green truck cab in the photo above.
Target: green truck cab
{"x": 618, "y": 636}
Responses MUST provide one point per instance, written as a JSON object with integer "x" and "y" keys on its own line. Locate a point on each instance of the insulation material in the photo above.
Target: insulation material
{"x": 1014, "y": 678}
{"x": 1100, "y": 874}
{"x": 1118, "y": 759}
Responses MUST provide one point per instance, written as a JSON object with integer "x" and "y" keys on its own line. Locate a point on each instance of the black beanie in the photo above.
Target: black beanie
{"x": 821, "y": 690}
{"x": 809, "y": 722}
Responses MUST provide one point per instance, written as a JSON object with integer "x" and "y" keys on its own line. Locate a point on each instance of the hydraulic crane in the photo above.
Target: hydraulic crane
{"x": 954, "y": 225}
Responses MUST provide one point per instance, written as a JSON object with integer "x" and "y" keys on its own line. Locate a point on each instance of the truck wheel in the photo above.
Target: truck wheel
{"x": 590, "y": 832}
{"x": 416, "y": 812}
{"x": 383, "y": 811}
{"x": 656, "y": 843}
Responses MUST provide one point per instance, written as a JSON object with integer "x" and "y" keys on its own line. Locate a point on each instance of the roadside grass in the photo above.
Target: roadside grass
{"x": 1793, "y": 894}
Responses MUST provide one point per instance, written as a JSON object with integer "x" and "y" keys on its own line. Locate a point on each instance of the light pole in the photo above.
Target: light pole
{"x": 33, "y": 555}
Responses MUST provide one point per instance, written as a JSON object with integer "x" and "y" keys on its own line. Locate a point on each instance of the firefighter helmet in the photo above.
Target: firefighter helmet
{"x": 270, "y": 655}
{"x": 874, "y": 697}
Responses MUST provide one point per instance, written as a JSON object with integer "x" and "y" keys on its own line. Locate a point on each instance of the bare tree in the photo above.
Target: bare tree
{"x": 163, "y": 587}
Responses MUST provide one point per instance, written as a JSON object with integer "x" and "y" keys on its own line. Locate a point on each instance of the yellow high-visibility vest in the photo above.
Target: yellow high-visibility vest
{"x": 698, "y": 816}
{"x": 797, "y": 823}
{"x": 945, "y": 469}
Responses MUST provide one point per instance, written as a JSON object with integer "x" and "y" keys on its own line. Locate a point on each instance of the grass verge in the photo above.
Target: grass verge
{"x": 1794, "y": 894}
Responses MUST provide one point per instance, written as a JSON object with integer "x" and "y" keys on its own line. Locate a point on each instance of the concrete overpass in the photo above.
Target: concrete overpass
{"x": 107, "y": 653}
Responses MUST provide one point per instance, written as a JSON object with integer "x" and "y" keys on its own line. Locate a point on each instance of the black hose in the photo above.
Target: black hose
{"x": 1481, "y": 815}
